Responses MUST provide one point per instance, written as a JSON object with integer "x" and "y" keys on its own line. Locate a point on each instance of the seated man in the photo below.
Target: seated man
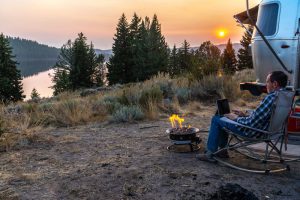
{"x": 259, "y": 118}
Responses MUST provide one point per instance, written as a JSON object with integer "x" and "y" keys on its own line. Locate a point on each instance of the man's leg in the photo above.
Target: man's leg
{"x": 216, "y": 135}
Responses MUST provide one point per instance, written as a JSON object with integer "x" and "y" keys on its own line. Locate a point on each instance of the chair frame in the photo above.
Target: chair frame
{"x": 271, "y": 154}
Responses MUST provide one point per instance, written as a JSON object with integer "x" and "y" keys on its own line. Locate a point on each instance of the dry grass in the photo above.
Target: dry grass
{"x": 154, "y": 97}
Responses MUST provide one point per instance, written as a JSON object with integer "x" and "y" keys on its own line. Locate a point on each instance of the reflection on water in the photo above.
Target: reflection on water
{"x": 41, "y": 82}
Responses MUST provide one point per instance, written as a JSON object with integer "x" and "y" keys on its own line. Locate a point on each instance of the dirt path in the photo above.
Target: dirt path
{"x": 125, "y": 161}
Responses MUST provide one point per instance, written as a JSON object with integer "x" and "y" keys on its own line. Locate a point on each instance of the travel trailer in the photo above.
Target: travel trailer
{"x": 275, "y": 46}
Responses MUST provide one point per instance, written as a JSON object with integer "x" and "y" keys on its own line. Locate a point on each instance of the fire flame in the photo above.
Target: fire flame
{"x": 176, "y": 121}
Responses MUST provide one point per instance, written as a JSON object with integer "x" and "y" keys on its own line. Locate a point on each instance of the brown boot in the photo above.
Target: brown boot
{"x": 222, "y": 154}
{"x": 206, "y": 157}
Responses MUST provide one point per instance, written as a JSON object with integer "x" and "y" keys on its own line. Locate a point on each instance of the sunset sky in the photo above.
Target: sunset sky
{"x": 53, "y": 22}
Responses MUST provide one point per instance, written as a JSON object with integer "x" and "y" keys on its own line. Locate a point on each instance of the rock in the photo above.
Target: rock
{"x": 232, "y": 192}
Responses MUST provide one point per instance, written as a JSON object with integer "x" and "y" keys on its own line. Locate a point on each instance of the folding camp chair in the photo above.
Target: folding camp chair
{"x": 273, "y": 139}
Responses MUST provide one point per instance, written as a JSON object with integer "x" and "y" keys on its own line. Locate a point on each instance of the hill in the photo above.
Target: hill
{"x": 32, "y": 56}
{"x": 236, "y": 47}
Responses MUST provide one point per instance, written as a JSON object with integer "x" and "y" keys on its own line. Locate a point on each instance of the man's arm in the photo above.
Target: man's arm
{"x": 231, "y": 116}
{"x": 260, "y": 114}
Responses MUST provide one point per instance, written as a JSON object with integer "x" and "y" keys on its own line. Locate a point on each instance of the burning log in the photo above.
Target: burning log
{"x": 181, "y": 131}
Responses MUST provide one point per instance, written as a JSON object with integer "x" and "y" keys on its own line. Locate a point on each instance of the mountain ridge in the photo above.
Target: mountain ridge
{"x": 34, "y": 57}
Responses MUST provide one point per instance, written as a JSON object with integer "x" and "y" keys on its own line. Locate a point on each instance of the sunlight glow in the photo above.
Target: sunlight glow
{"x": 221, "y": 33}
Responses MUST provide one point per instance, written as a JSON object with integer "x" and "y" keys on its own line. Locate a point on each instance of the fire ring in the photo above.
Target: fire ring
{"x": 184, "y": 139}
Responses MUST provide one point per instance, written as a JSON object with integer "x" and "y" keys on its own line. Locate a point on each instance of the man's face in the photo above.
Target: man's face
{"x": 271, "y": 86}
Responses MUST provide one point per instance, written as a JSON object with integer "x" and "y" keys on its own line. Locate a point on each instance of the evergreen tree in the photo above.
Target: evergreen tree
{"x": 229, "y": 61}
{"x": 139, "y": 51}
{"x": 206, "y": 60}
{"x": 158, "y": 51}
{"x": 118, "y": 66}
{"x": 76, "y": 66}
{"x": 185, "y": 58}
{"x": 62, "y": 69}
{"x": 34, "y": 94}
{"x": 244, "y": 57}
{"x": 10, "y": 78}
{"x": 173, "y": 68}
{"x": 80, "y": 75}
{"x": 92, "y": 66}
{"x": 136, "y": 55}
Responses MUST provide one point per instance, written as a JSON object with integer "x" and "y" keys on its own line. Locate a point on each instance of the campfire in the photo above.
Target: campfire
{"x": 177, "y": 127}
{"x": 182, "y": 135}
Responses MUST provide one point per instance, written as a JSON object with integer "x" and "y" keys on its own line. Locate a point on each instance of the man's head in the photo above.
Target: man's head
{"x": 276, "y": 80}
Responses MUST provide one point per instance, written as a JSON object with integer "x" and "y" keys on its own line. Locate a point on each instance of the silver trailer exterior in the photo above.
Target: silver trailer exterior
{"x": 279, "y": 21}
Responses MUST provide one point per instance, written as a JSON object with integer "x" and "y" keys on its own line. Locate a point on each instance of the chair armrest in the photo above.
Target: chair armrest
{"x": 225, "y": 119}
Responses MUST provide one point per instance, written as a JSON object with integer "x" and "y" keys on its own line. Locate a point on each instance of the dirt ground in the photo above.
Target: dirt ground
{"x": 126, "y": 161}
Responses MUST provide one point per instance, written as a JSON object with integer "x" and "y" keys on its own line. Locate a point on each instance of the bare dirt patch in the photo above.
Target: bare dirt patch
{"x": 127, "y": 161}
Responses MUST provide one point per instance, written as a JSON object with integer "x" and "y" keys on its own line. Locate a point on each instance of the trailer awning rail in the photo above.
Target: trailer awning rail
{"x": 243, "y": 16}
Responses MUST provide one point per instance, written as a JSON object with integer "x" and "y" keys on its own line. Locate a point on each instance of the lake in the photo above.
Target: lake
{"x": 41, "y": 82}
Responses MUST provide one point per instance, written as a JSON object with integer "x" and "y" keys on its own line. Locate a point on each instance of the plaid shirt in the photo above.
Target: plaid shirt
{"x": 260, "y": 117}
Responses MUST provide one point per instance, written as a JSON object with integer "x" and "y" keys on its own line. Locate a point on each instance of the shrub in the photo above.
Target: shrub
{"x": 131, "y": 95}
{"x": 45, "y": 107}
{"x": 246, "y": 75}
{"x": 99, "y": 108}
{"x": 30, "y": 107}
{"x": 128, "y": 114}
{"x": 112, "y": 103}
{"x": 208, "y": 88}
{"x": 150, "y": 95}
{"x": 183, "y": 95}
{"x": 164, "y": 82}
{"x": 72, "y": 112}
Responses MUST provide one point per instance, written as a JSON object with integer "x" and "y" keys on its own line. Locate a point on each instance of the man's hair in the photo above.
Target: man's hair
{"x": 280, "y": 77}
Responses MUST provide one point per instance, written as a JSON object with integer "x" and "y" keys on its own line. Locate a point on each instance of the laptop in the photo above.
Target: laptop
{"x": 223, "y": 107}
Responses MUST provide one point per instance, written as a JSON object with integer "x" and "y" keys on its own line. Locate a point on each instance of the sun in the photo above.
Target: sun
{"x": 221, "y": 34}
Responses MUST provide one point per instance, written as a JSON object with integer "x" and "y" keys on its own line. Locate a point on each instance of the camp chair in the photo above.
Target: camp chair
{"x": 273, "y": 139}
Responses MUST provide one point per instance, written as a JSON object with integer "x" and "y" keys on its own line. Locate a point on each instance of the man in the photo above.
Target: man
{"x": 259, "y": 118}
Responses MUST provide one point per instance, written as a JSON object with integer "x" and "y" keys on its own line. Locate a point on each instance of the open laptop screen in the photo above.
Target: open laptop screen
{"x": 223, "y": 106}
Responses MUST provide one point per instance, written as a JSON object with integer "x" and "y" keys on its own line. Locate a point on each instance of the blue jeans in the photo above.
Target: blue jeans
{"x": 217, "y": 136}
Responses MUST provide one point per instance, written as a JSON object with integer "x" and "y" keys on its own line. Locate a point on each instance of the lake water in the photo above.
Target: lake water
{"x": 41, "y": 82}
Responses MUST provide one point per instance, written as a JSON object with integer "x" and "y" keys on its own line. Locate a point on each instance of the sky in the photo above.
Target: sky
{"x": 54, "y": 22}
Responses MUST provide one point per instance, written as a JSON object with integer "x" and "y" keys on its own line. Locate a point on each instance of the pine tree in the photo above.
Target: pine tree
{"x": 34, "y": 94}
{"x": 80, "y": 76}
{"x": 142, "y": 61}
{"x": 92, "y": 66}
{"x": 62, "y": 69}
{"x": 173, "y": 68}
{"x": 228, "y": 59}
{"x": 185, "y": 57}
{"x": 10, "y": 78}
{"x": 118, "y": 65}
{"x": 76, "y": 66}
{"x": 135, "y": 55}
{"x": 158, "y": 51}
{"x": 244, "y": 57}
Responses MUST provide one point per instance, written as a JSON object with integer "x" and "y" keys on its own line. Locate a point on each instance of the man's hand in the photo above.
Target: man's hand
{"x": 231, "y": 116}
{"x": 239, "y": 113}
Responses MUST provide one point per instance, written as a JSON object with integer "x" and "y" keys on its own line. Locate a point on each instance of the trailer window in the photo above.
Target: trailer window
{"x": 267, "y": 19}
